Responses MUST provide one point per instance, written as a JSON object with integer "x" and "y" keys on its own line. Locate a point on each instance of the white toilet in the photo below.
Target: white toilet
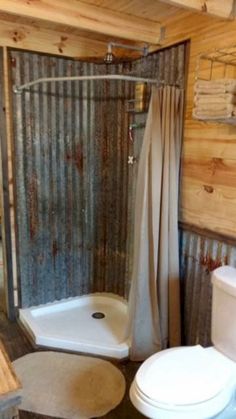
{"x": 194, "y": 382}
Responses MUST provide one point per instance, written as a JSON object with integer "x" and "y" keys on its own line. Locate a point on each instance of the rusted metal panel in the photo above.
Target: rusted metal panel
{"x": 71, "y": 181}
{"x": 167, "y": 65}
{"x": 199, "y": 257}
{"x": 75, "y": 189}
{"x": 112, "y": 193}
{"x": 44, "y": 189}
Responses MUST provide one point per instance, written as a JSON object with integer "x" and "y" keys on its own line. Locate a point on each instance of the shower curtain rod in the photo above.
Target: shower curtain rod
{"x": 20, "y": 88}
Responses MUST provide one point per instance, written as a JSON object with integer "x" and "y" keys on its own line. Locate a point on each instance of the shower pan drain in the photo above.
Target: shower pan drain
{"x": 98, "y": 315}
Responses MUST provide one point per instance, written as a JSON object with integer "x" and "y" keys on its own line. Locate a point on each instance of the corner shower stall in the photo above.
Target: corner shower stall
{"x": 75, "y": 169}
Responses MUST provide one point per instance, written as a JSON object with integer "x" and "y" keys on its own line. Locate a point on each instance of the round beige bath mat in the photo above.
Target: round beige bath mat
{"x": 68, "y": 386}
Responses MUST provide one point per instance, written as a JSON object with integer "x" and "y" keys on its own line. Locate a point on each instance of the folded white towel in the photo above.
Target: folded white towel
{"x": 215, "y": 83}
{"x": 215, "y": 107}
{"x": 223, "y": 98}
{"x": 215, "y": 86}
{"x": 211, "y": 90}
{"x": 228, "y": 120}
{"x": 205, "y": 114}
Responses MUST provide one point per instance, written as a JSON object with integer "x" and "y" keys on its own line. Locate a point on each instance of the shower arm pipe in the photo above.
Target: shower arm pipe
{"x": 20, "y": 88}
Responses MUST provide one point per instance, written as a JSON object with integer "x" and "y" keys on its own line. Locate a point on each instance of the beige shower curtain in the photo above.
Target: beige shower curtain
{"x": 154, "y": 300}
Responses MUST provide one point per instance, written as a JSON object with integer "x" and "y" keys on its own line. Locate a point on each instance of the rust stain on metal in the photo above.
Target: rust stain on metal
{"x": 13, "y": 62}
{"x": 199, "y": 255}
{"x": 212, "y": 264}
{"x": 77, "y": 158}
{"x": 51, "y": 64}
{"x": 33, "y": 205}
{"x": 54, "y": 249}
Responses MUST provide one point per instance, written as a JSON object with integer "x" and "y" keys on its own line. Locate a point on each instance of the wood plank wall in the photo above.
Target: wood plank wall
{"x": 208, "y": 178}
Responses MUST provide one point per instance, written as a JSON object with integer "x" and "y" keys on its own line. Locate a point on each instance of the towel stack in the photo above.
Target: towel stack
{"x": 215, "y": 100}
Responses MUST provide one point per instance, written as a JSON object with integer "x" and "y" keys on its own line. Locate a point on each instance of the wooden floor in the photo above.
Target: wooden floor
{"x": 17, "y": 345}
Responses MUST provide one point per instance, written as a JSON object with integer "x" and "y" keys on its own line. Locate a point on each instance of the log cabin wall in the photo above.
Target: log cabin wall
{"x": 208, "y": 177}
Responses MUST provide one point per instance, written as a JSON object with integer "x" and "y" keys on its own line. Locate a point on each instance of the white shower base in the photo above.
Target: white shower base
{"x": 69, "y": 324}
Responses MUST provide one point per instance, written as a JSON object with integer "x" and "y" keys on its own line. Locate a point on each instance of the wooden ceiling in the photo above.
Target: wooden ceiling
{"x": 82, "y": 28}
{"x": 159, "y": 10}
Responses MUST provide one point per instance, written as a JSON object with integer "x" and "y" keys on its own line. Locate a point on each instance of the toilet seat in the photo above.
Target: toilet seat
{"x": 183, "y": 382}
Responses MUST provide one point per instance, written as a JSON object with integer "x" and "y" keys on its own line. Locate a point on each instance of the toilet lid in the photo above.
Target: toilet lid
{"x": 183, "y": 376}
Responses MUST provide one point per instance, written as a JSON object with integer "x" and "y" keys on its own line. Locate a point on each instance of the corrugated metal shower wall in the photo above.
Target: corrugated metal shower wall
{"x": 75, "y": 190}
{"x": 200, "y": 255}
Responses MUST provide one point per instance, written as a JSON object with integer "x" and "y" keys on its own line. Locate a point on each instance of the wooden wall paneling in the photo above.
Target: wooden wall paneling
{"x": 208, "y": 189}
{"x": 5, "y": 201}
{"x": 7, "y": 62}
{"x": 201, "y": 200}
{"x": 215, "y": 171}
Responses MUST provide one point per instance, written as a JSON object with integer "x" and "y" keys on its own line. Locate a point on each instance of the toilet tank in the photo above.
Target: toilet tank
{"x": 223, "y": 326}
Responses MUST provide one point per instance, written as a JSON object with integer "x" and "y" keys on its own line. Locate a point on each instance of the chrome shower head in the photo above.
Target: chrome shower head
{"x": 109, "y": 57}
